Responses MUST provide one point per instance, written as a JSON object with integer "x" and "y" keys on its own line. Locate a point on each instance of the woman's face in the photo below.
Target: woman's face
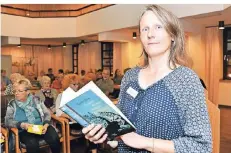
{"x": 118, "y": 72}
{"x": 154, "y": 37}
{"x": 74, "y": 86}
{"x": 46, "y": 85}
{"x": 20, "y": 92}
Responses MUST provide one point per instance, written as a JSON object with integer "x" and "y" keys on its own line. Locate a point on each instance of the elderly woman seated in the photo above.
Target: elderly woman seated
{"x": 24, "y": 112}
{"x": 13, "y": 78}
{"x": 74, "y": 82}
{"x": 47, "y": 94}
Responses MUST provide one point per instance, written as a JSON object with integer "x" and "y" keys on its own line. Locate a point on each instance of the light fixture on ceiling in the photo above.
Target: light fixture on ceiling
{"x": 64, "y": 45}
{"x": 82, "y": 42}
{"x": 19, "y": 45}
{"x": 49, "y": 46}
{"x": 221, "y": 25}
{"x": 134, "y": 35}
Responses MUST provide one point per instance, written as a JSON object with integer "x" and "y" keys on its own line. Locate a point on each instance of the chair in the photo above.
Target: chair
{"x": 5, "y": 134}
{"x": 20, "y": 147}
{"x": 70, "y": 134}
{"x": 214, "y": 115}
{"x": 5, "y": 99}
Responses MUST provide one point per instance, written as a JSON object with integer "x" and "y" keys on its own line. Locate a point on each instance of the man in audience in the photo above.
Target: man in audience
{"x": 61, "y": 72}
{"x": 106, "y": 84}
{"x": 51, "y": 75}
{"x": 5, "y": 81}
{"x": 83, "y": 72}
{"x": 98, "y": 74}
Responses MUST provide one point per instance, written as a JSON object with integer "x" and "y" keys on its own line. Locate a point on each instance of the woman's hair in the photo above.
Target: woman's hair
{"x": 68, "y": 79}
{"x": 173, "y": 27}
{"x": 116, "y": 75}
{"x": 15, "y": 77}
{"x": 44, "y": 78}
{"x": 25, "y": 82}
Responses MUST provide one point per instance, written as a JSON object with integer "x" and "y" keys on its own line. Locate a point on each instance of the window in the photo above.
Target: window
{"x": 107, "y": 56}
{"x": 227, "y": 53}
{"x": 75, "y": 58}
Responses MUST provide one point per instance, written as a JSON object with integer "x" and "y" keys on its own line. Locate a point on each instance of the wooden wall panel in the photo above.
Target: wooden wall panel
{"x": 225, "y": 146}
{"x": 214, "y": 115}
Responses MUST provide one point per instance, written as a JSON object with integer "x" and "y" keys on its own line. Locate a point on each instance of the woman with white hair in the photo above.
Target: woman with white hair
{"x": 13, "y": 78}
{"x": 47, "y": 94}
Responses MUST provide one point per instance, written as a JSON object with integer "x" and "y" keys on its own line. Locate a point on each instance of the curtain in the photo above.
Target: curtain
{"x": 33, "y": 59}
{"x": 213, "y": 65}
{"x": 89, "y": 56}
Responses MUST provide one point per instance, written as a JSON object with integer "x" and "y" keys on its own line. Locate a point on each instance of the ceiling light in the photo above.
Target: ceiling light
{"x": 19, "y": 45}
{"x": 49, "y": 46}
{"x": 134, "y": 35}
{"x": 64, "y": 45}
{"x": 221, "y": 25}
{"x": 82, "y": 42}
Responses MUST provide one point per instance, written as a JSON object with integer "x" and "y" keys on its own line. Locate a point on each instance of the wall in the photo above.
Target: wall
{"x": 40, "y": 58}
{"x": 6, "y": 64}
{"x": 225, "y": 93}
{"x": 110, "y": 18}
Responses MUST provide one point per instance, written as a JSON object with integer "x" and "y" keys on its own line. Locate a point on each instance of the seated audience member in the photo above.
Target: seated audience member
{"x": 61, "y": 71}
{"x": 117, "y": 77}
{"x": 47, "y": 94}
{"x": 99, "y": 74}
{"x": 67, "y": 72}
{"x": 42, "y": 73}
{"x": 117, "y": 81}
{"x": 57, "y": 83}
{"x": 13, "y": 78}
{"x": 106, "y": 84}
{"x": 5, "y": 81}
{"x": 83, "y": 72}
{"x": 27, "y": 110}
{"x": 92, "y": 76}
{"x": 51, "y": 75}
{"x": 74, "y": 82}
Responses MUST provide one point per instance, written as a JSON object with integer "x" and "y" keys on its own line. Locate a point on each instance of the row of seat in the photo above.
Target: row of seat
{"x": 64, "y": 132}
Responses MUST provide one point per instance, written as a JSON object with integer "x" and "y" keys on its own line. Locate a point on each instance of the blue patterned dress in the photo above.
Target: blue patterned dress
{"x": 173, "y": 108}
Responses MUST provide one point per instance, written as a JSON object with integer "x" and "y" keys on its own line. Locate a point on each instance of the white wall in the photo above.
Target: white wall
{"x": 6, "y": 64}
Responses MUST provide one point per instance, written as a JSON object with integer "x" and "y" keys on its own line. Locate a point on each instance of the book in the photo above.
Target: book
{"x": 90, "y": 105}
{"x": 2, "y": 140}
{"x": 36, "y": 129}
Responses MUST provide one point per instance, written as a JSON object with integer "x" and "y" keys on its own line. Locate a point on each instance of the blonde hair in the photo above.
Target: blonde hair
{"x": 43, "y": 79}
{"x": 173, "y": 27}
{"x": 15, "y": 76}
{"x": 25, "y": 82}
{"x": 68, "y": 79}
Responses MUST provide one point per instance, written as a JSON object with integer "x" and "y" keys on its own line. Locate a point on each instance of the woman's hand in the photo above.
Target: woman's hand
{"x": 94, "y": 133}
{"x": 137, "y": 141}
{"x": 25, "y": 126}
{"x": 45, "y": 128}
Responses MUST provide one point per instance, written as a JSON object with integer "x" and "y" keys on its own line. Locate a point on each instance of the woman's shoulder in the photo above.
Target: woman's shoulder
{"x": 183, "y": 73}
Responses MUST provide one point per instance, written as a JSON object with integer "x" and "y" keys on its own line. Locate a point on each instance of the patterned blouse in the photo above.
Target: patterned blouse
{"x": 173, "y": 108}
{"x": 9, "y": 90}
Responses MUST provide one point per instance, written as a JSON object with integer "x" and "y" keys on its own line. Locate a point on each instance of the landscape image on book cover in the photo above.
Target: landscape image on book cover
{"x": 89, "y": 108}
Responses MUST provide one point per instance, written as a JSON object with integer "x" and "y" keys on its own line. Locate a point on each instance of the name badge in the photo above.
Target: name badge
{"x": 132, "y": 92}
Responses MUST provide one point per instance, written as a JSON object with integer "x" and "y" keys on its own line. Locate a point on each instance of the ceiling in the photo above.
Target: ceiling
{"x": 51, "y": 10}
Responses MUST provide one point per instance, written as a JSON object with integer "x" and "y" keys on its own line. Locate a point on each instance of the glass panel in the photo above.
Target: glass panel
{"x": 75, "y": 63}
{"x": 107, "y": 62}
{"x": 229, "y": 36}
{"x": 228, "y": 60}
{"x": 106, "y": 54}
{"x": 229, "y": 46}
{"x": 228, "y": 72}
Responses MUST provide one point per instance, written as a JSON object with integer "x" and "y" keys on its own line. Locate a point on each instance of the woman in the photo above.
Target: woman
{"x": 117, "y": 77}
{"x": 47, "y": 94}
{"x": 117, "y": 82}
{"x": 57, "y": 83}
{"x": 13, "y": 78}
{"x": 27, "y": 110}
{"x": 165, "y": 100}
{"x": 74, "y": 82}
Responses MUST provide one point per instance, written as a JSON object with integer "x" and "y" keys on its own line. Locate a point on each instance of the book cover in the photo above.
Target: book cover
{"x": 36, "y": 129}
{"x": 91, "y": 106}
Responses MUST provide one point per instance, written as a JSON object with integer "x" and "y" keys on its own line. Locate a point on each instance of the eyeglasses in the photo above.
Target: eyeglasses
{"x": 75, "y": 84}
{"x": 18, "y": 91}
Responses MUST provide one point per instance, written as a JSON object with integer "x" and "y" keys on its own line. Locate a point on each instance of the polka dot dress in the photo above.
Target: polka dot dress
{"x": 171, "y": 109}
